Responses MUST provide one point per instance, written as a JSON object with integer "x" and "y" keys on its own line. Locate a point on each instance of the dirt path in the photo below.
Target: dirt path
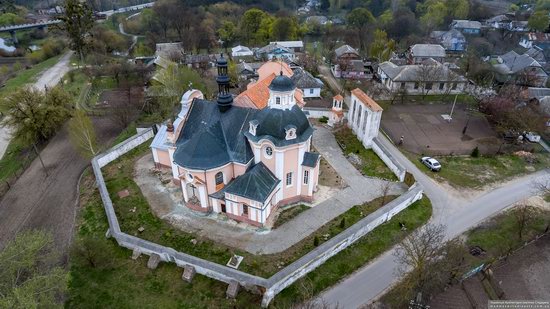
{"x": 49, "y": 203}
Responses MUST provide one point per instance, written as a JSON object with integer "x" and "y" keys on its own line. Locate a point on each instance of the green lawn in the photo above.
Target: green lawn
{"x": 372, "y": 165}
{"x": 475, "y": 173}
{"x": 288, "y": 214}
{"x": 17, "y": 156}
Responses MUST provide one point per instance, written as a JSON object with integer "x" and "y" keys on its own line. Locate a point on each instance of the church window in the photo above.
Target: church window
{"x": 277, "y": 100}
{"x": 269, "y": 151}
{"x": 219, "y": 178}
{"x": 289, "y": 179}
{"x": 306, "y": 177}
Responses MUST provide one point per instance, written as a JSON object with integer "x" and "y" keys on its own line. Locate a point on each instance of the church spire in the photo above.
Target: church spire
{"x": 225, "y": 99}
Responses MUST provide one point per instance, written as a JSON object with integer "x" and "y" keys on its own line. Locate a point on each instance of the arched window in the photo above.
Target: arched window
{"x": 219, "y": 178}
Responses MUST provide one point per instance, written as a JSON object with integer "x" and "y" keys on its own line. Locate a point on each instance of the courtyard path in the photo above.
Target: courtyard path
{"x": 360, "y": 190}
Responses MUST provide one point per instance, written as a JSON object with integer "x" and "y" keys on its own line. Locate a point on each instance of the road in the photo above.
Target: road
{"x": 456, "y": 213}
{"x": 51, "y": 77}
{"x": 48, "y": 78}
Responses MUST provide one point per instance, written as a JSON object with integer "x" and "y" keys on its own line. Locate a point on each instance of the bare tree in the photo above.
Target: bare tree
{"x": 418, "y": 250}
{"x": 427, "y": 75}
{"x": 385, "y": 187}
{"x": 523, "y": 214}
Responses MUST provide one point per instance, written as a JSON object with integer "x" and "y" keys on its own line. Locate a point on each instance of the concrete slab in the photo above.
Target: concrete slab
{"x": 154, "y": 260}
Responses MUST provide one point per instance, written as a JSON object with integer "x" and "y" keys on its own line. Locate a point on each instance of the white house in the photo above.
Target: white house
{"x": 364, "y": 117}
{"x": 241, "y": 51}
{"x": 310, "y": 85}
{"x": 296, "y": 46}
{"x": 275, "y": 50}
{"x": 431, "y": 77}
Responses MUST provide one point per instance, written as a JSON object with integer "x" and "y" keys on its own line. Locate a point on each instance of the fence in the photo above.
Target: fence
{"x": 269, "y": 287}
{"x": 394, "y": 165}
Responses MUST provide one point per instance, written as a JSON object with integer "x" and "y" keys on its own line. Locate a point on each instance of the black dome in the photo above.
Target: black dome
{"x": 221, "y": 61}
{"x": 273, "y": 121}
{"x": 282, "y": 83}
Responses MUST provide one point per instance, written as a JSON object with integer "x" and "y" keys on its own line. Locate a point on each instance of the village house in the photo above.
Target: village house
{"x": 257, "y": 92}
{"x": 201, "y": 61}
{"x": 470, "y": 27}
{"x": 247, "y": 70}
{"x": 310, "y": 86}
{"x": 498, "y": 22}
{"x": 241, "y": 51}
{"x": 349, "y": 64}
{"x": 541, "y": 40}
{"x": 418, "y": 53}
{"x": 240, "y": 162}
{"x": 275, "y": 51}
{"x": 319, "y": 20}
{"x": 453, "y": 40}
{"x": 295, "y": 46}
{"x": 518, "y": 69}
{"x": 431, "y": 77}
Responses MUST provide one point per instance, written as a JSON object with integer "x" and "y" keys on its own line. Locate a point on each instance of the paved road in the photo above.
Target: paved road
{"x": 458, "y": 214}
{"x": 49, "y": 78}
{"x": 327, "y": 74}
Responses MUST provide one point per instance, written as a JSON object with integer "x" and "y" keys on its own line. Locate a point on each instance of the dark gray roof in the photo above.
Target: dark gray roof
{"x": 310, "y": 159}
{"x": 256, "y": 184}
{"x": 282, "y": 83}
{"x": 512, "y": 63}
{"x": 304, "y": 79}
{"x": 271, "y": 124}
{"x": 345, "y": 49}
{"x": 210, "y": 138}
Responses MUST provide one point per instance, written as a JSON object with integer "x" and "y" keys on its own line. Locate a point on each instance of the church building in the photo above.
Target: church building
{"x": 243, "y": 162}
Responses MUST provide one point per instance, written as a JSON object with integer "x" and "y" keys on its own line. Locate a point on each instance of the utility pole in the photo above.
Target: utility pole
{"x": 39, "y": 157}
{"x": 453, "y": 108}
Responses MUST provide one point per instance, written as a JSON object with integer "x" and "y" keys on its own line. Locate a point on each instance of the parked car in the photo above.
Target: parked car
{"x": 532, "y": 137}
{"x": 431, "y": 163}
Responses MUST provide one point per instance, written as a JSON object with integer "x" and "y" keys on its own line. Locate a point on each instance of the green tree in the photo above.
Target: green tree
{"x": 360, "y": 19}
{"x": 27, "y": 277}
{"x": 435, "y": 13}
{"x": 77, "y": 22}
{"x": 458, "y": 9}
{"x": 33, "y": 115}
{"x": 250, "y": 24}
{"x": 381, "y": 47}
{"x": 285, "y": 28}
{"x": 7, "y": 6}
{"x": 10, "y": 19}
{"x": 169, "y": 85}
{"x": 539, "y": 21}
{"x": 227, "y": 33}
{"x": 82, "y": 134}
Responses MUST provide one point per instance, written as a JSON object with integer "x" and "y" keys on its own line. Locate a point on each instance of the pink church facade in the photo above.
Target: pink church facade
{"x": 237, "y": 161}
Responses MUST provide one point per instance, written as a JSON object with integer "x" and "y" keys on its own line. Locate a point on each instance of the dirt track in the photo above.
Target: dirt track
{"x": 49, "y": 203}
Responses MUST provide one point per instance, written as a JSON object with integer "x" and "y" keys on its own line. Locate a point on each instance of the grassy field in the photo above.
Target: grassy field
{"x": 372, "y": 165}
{"x": 475, "y": 173}
{"x": 17, "y": 155}
{"x": 288, "y": 214}
{"x": 500, "y": 234}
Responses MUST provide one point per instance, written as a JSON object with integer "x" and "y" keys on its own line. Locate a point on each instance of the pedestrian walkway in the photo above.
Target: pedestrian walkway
{"x": 360, "y": 190}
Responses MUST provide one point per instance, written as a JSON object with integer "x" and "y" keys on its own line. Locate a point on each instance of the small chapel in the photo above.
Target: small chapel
{"x": 243, "y": 162}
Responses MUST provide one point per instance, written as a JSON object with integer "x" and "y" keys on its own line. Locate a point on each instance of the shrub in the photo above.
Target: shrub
{"x": 316, "y": 241}
{"x": 343, "y": 223}
{"x": 323, "y": 119}
{"x": 475, "y": 152}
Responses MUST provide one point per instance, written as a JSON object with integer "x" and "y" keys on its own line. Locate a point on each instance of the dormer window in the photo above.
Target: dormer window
{"x": 253, "y": 126}
{"x": 290, "y": 132}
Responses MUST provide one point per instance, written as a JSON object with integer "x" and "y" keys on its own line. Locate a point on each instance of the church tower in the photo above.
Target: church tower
{"x": 281, "y": 92}
{"x": 225, "y": 99}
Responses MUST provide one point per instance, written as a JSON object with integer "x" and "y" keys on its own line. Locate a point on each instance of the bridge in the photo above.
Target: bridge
{"x": 128, "y": 9}
{"x": 13, "y": 28}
